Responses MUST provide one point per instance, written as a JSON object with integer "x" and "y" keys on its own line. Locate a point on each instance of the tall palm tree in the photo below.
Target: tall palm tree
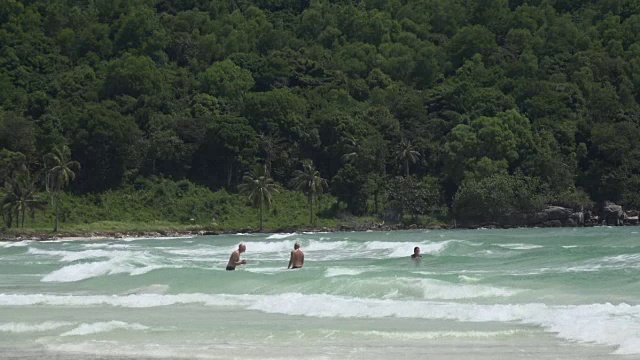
{"x": 59, "y": 172}
{"x": 271, "y": 146}
{"x": 259, "y": 188}
{"x": 10, "y": 202}
{"x": 20, "y": 196}
{"x": 353, "y": 151}
{"x": 310, "y": 183}
{"x": 406, "y": 153}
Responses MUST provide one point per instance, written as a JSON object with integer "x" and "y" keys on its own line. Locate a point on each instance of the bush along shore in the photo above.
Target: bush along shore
{"x": 552, "y": 216}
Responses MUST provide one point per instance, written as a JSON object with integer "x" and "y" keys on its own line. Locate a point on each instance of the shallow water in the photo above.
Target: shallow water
{"x": 476, "y": 294}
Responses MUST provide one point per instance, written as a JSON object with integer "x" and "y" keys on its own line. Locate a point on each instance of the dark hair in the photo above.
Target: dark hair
{"x": 416, "y": 248}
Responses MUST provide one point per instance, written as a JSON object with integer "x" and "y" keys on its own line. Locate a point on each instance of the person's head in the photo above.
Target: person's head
{"x": 416, "y": 250}
{"x": 242, "y": 248}
{"x": 296, "y": 246}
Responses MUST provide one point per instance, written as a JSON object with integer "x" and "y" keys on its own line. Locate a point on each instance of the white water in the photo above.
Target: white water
{"x": 563, "y": 294}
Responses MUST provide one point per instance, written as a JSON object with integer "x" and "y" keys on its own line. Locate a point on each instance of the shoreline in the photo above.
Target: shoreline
{"x": 141, "y": 234}
{"x": 122, "y": 234}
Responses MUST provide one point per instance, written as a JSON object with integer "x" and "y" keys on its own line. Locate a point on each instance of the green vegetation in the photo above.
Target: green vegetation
{"x": 424, "y": 108}
{"x": 165, "y": 205}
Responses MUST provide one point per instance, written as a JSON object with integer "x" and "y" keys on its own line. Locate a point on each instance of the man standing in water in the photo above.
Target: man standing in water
{"x": 234, "y": 259}
{"x": 416, "y": 256}
{"x": 297, "y": 258}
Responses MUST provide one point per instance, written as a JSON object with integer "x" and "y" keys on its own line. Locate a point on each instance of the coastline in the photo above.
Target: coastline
{"x": 31, "y": 235}
{"x": 123, "y": 234}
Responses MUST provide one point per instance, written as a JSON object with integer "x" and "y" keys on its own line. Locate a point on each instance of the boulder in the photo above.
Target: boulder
{"x": 612, "y": 214}
{"x": 553, "y": 223}
{"x": 558, "y": 213}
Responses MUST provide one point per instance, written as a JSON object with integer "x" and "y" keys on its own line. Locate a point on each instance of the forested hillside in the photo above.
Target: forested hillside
{"x": 474, "y": 105}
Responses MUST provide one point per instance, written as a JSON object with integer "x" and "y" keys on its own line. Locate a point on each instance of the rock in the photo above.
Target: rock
{"x": 553, "y": 223}
{"x": 612, "y": 214}
{"x": 578, "y": 218}
{"x": 558, "y": 213}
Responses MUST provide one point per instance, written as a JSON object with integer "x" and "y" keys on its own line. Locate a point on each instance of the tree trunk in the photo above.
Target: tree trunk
{"x": 406, "y": 167}
{"x": 311, "y": 210}
{"x": 375, "y": 200}
{"x": 57, "y": 206}
{"x": 260, "y": 214}
{"x": 23, "y": 217}
{"x": 229, "y": 175}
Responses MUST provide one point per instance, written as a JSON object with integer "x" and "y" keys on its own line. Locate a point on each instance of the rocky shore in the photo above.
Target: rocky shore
{"x": 552, "y": 216}
{"x": 555, "y": 216}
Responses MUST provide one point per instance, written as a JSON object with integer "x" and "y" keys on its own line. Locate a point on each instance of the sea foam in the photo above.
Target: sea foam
{"x": 606, "y": 324}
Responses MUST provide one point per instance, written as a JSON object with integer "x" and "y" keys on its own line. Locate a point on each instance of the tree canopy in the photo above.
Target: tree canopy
{"x": 450, "y": 92}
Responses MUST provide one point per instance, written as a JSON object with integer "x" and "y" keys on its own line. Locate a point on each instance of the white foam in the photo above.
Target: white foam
{"x": 343, "y": 271}
{"x": 280, "y": 236}
{"x": 21, "y": 327}
{"x": 126, "y": 301}
{"x": 22, "y": 243}
{"x": 606, "y": 324}
{"x": 519, "y": 246}
{"x": 468, "y": 278}
{"x": 327, "y": 245}
{"x": 396, "y": 249}
{"x": 102, "y": 327}
{"x": 84, "y": 271}
{"x": 121, "y": 262}
{"x": 151, "y": 289}
{"x": 69, "y": 256}
{"x": 97, "y": 349}
{"x": 435, "y": 289}
{"x": 264, "y": 270}
{"x": 110, "y": 245}
{"x": 431, "y": 335}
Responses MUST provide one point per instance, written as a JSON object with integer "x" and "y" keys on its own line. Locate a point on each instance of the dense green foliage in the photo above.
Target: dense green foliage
{"x": 460, "y": 94}
{"x": 157, "y": 204}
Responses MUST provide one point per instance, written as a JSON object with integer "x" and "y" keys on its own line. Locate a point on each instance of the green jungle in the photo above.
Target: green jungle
{"x": 233, "y": 115}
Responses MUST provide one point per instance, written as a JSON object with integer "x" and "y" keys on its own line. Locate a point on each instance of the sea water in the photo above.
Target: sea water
{"x": 476, "y": 294}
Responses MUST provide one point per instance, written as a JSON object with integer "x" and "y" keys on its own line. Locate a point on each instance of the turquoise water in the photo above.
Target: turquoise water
{"x": 476, "y": 294}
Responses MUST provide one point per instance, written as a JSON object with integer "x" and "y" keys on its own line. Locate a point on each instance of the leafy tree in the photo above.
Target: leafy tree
{"x": 310, "y": 183}
{"x": 259, "y": 188}
{"x": 406, "y": 153}
{"x": 349, "y": 186}
{"x": 226, "y": 79}
{"x": 407, "y": 195}
{"x": 498, "y": 195}
{"x": 10, "y": 163}
{"x": 59, "y": 172}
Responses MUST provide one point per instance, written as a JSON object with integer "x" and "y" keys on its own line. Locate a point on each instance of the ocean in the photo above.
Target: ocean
{"x": 569, "y": 293}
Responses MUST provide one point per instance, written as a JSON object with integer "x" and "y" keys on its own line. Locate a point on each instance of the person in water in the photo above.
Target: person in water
{"x": 297, "y": 257}
{"x": 234, "y": 259}
{"x": 416, "y": 253}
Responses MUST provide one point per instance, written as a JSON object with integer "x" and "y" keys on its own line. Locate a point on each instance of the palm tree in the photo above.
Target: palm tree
{"x": 10, "y": 203}
{"x": 354, "y": 151}
{"x": 406, "y": 153}
{"x": 271, "y": 146}
{"x": 259, "y": 187}
{"x": 310, "y": 183}
{"x": 20, "y": 195}
{"x": 60, "y": 171}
